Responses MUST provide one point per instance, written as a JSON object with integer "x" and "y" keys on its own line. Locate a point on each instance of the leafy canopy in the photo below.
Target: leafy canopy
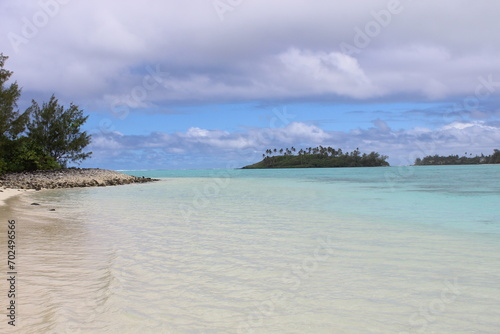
{"x": 12, "y": 123}
{"x": 57, "y": 131}
{"x": 46, "y": 137}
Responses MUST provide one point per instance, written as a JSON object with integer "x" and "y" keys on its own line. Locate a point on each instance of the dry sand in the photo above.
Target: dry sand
{"x": 5, "y": 194}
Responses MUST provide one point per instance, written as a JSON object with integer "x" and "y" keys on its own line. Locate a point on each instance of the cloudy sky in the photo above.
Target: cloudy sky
{"x": 214, "y": 83}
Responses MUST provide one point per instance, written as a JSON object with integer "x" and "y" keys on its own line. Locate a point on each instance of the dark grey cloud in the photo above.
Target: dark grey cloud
{"x": 259, "y": 51}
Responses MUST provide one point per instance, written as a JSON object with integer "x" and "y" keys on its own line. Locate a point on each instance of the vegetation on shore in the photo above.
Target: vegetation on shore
{"x": 46, "y": 137}
{"x": 318, "y": 157}
{"x": 456, "y": 160}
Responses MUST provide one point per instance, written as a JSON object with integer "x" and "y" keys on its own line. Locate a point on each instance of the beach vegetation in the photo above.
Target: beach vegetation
{"x": 22, "y": 155}
{"x": 12, "y": 122}
{"x": 466, "y": 159}
{"x": 318, "y": 157}
{"x": 57, "y": 131}
{"x": 46, "y": 137}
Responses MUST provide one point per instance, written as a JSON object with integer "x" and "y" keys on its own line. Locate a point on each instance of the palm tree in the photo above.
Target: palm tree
{"x": 324, "y": 151}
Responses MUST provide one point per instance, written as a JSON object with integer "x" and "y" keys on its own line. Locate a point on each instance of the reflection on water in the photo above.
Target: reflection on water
{"x": 258, "y": 256}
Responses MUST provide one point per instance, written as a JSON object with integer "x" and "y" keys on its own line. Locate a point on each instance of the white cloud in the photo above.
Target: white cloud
{"x": 460, "y": 126}
{"x": 324, "y": 73}
{"x": 107, "y": 142}
{"x": 197, "y": 132}
{"x": 297, "y": 132}
{"x": 402, "y": 146}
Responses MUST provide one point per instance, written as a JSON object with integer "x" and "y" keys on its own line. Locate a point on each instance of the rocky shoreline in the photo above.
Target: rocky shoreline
{"x": 68, "y": 178}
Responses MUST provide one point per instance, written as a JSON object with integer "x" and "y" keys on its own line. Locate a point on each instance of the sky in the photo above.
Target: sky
{"x": 214, "y": 83}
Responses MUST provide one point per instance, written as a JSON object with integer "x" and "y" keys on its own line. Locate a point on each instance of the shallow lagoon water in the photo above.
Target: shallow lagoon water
{"x": 363, "y": 250}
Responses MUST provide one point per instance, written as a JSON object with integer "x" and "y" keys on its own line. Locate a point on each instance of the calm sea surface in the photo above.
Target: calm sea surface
{"x": 365, "y": 250}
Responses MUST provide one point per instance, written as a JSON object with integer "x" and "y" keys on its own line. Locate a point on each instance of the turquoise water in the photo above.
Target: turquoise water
{"x": 366, "y": 250}
{"x": 455, "y": 197}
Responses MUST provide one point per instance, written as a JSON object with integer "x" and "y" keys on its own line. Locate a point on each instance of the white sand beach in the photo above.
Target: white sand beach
{"x": 6, "y": 193}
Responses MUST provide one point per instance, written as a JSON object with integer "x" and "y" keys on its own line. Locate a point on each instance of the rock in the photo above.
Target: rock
{"x": 35, "y": 204}
{"x": 67, "y": 178}
{"x": 52, "y": 209}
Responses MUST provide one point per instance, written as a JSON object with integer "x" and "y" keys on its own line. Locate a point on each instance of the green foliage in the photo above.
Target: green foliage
{"x": 54, "y": 137}
{"x": 58, "y": 131}
{"x": 456, "y": 160}
{"x": 12, "y": 123}
{"x": 495, "y": 157}
{"x": 23, "y": 155}
{"x": 319, "y": 157}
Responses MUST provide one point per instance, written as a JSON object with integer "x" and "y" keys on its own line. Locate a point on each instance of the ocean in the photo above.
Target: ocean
{"x": 341, "y": 250}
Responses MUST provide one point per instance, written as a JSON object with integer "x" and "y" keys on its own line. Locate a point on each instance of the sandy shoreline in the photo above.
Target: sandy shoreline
{"x": 5, "y": 194}
{"x": 14, "y": 184}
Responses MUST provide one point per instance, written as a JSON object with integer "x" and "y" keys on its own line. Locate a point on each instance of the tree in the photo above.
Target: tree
{"x": 323, "y": 156}
{"x": 12, "y": 123}
{"x": 495, "y": 157}
{"x": 57, "y": 131}
{"x": 22, "y": 155}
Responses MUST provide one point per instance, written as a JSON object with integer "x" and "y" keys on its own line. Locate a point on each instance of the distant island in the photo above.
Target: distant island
{"x": 318, "y": 157}
{"x": 431, "y": 160}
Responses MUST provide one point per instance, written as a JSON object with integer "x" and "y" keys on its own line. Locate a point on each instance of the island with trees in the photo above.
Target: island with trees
{"x": 37, "y": 145}
{"x": 432, "y": 160}
{"x": 318, "y": 157}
